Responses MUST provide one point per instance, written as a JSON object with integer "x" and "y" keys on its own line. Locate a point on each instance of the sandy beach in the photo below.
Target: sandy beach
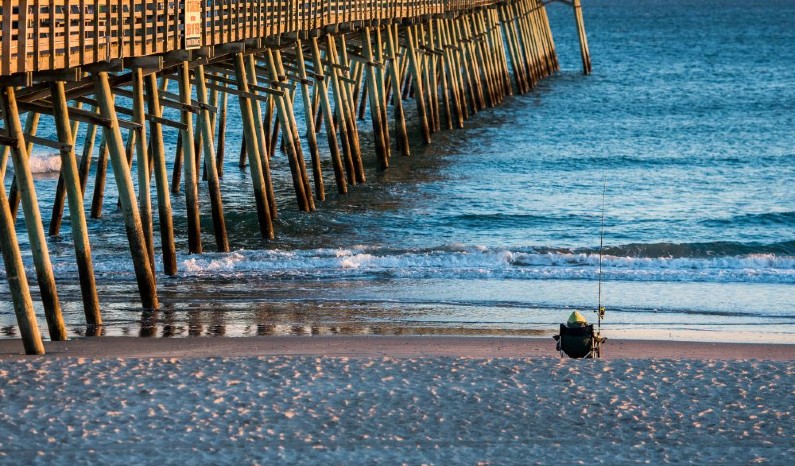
{"x": 394, "y": 400}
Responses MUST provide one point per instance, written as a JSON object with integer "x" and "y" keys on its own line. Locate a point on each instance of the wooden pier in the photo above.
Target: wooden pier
{"x": 69, "y": 60}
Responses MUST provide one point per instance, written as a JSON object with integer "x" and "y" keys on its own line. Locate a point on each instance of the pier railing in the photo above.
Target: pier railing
{"x": 43, "y": 35}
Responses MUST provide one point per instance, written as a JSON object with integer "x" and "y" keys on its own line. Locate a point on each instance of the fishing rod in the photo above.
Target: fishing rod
{"x": 600, "y": 311}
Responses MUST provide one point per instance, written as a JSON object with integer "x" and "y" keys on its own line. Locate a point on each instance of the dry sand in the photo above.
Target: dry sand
{"x": 393, "y": 400}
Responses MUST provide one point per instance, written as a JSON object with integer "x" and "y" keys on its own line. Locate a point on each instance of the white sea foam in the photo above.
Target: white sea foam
{"x": 476, "y": 262}
{"x": 481, "y": 262}
{"x": 43, "y": 163}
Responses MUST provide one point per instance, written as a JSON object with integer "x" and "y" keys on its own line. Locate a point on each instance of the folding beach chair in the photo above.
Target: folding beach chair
{"x": 579, "y": 341}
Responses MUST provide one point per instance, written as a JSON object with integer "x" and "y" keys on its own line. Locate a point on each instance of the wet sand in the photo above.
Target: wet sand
{"x": 388, "y": 346}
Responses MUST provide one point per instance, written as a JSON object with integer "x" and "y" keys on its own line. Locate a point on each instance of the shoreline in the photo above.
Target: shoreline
{"x": 386, "y": 347}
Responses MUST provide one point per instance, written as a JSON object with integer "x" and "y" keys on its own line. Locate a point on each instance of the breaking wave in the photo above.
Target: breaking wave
{"x": 632, "y": 262}
{"x": 41, "y": 163}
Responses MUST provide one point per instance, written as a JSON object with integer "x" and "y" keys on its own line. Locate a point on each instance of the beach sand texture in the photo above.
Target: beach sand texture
{"x": 385, "y": 410}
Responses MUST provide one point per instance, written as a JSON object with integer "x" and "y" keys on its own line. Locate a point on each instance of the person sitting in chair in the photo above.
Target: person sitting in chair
{"x": 577, "y": 338}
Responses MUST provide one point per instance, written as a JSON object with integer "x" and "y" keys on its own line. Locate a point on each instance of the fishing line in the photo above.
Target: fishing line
{"x": 600, "y": 311}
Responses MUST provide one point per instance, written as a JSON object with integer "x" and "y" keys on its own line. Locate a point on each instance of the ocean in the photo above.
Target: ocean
{"x": 682, "y": 140}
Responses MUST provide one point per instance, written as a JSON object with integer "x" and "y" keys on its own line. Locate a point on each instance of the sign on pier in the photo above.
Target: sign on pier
{"x": 193, "y": 24}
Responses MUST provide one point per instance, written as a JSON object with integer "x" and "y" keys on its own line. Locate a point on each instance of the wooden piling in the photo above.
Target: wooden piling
{"x": 265, "y": 149}
{"x": 176, "y": 170}
{"x": 30, "y": 207}
{"x": 484, "y": 62}
{"x": 252, "y": 151}
{"x": 458, "y": 50}
{"x": 213, "y": 184}
{"x": 451, "y": 81}
{"x": 99, "y": 179}
{"x": 189, "y": 162}
{"x": 381, "y": 147}
{"x": 77, "y": 216}
{"x": 292, "y": 157}
{"x": 31, "y": 128}
{"x": 347, "y": 95}
{"x": 317, "y": 171}
{"x": 221, "y": 150}
{"x": 508, "y": 29}
{"x": 551, "y": 56}
{"x": 142, "y": 158}
{"x": 6, "y": 151}
{"x": 360, "y": 95}
{"x": 165, "y": 218}
{"x": 584, "y": 52}
{"x": 83, "y": 169}
{"x": 17, "y": 280}
{"x": 143, "y": 272}
{"x": 341, "y": 109}
{"x": 380, "y": 82}
{"x": 294, "y": 138}
{"x": 470, "y": 65}
{"x": 394, "y": 71}
{"x": 419, "y": 95}
{"x": 60, "y": 189}
{"x": 321, "y": 86}
{"x": 431, "y": 73}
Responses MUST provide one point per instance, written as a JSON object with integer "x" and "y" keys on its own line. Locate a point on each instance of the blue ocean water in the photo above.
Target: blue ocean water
{"x": 683, "y": 138}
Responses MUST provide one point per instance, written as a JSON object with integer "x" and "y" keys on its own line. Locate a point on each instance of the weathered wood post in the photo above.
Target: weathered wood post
{"x": 449, "y": 77}
{"x": 176, "y": 171}
{"x": 15, "y": 274}
{"x": 395, "y": 74}
{"x": 221, "y": 150}
{"x": 289, "y": 103}
{"x": 252, "y": 150}
{"x": 206, "y": 131}
{"x": 189, "y": 162}
{"x": 341, "y": 107}
{"x": 311, "y": 136}
{"x": 83, "y": 169}
{"x": 142, "y": 158}
{"x": 31, "y": 127}
{"x": 17, "y": 281}
{"x": 165, "y": 218}
{"x": 380, "y": 86}
{"x": 30, "y": 207}
{"x": 509, "y": 30}
{"x": 584, "y": 52}
{"x": 381, "y": 147}
{"x": 4, "y": 161}
{"x": 99, "y": 179}
{"x": 121, "y": 171}
{"x": 321, "y": 88}
{"x": 302, "y": 197}
{"x": 265, "y": 148}
{"x": 419, "y": 95}
{"x": 345, "y": 103}
{"x": 60, "y": 189}
{"x": 71, "y": 179}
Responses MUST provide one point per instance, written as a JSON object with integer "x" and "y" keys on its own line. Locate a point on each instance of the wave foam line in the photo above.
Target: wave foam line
{"x": 479, "y": 262}
{"x": 456, "y": 262}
